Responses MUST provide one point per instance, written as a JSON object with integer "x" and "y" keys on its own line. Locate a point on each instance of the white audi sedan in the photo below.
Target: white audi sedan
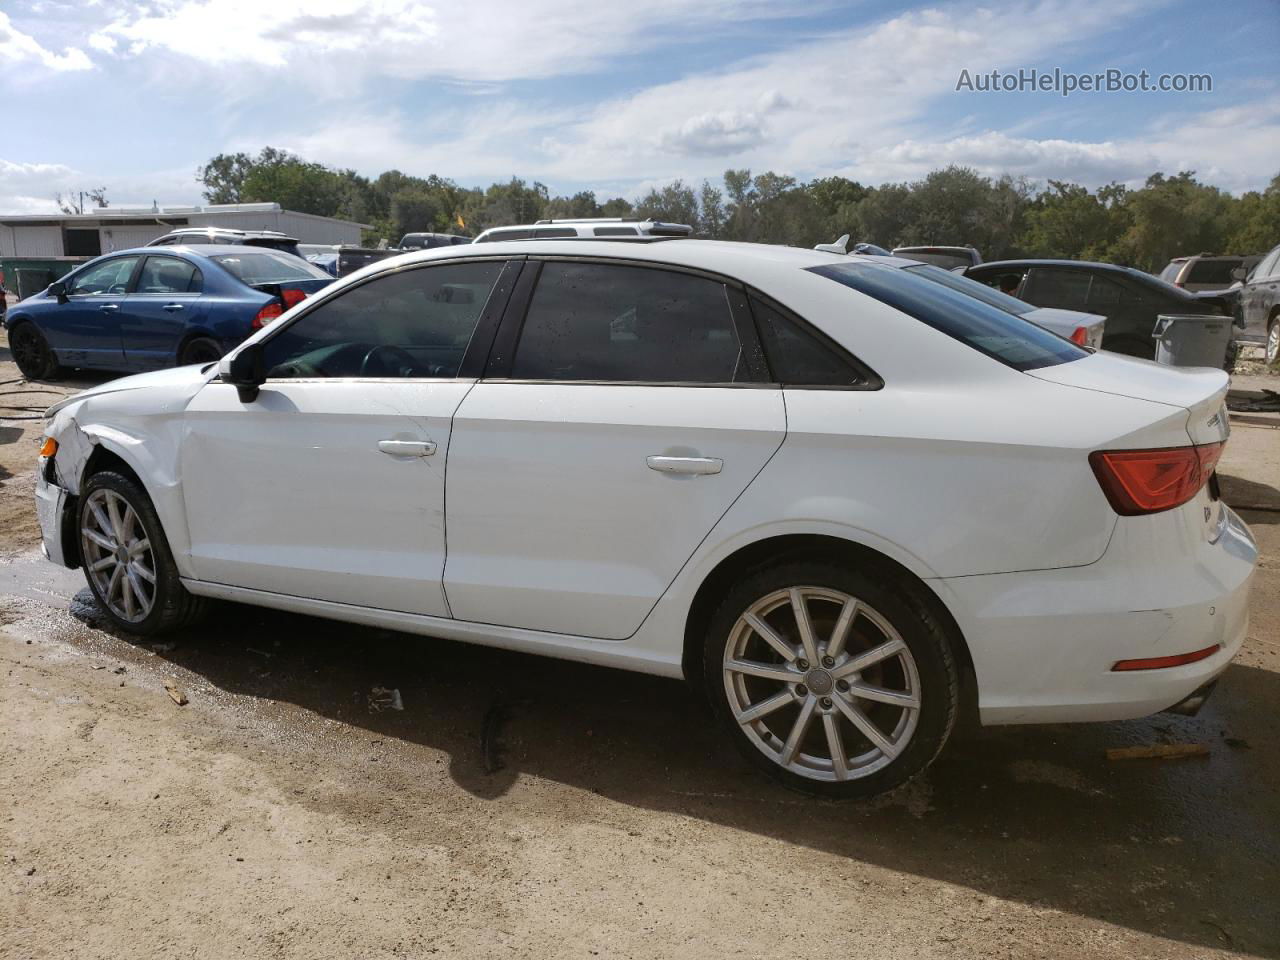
{"x": 847, "y": 502}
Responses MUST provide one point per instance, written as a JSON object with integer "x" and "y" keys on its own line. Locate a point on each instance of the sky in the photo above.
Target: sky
{"x": 617, "y": 97}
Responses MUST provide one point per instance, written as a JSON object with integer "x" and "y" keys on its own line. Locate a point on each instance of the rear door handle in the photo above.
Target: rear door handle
{"x": 173, "y": 307}
{"x": 697, "y": 466}
{"x": 109, "y": 307}
{"x": 407, "y": 448}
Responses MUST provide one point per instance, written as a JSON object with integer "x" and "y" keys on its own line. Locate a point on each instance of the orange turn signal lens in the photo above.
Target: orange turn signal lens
{"x": 49, "y": 447}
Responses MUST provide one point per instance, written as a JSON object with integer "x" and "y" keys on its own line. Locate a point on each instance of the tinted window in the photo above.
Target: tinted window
{"x": 192, "y": 239}
{"x": 267, "y": 266}
{"x": 548, "y": 233}
{"x": 956, "y": 281}
{"x": 1170, "y": 273}
{"x": 108, "y": 277}
{"x": 1013, "y": 341}
{"x": 801, "y": 358}
{"x": 507, "y": 235}
{"x": 415, "y": 323}
{"x": 591, "y": 321}
{"x": 1050, "y": 287}
{"x": 168, "y": 275}
{"x": 616, "y": 232}
{"x": 1211, "y": 271}
{"x": 1105, "y": 294}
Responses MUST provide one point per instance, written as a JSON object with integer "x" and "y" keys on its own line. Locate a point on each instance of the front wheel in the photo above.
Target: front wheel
{"x": 833, "y": 681}
{"x": 1273, "y": 342}
{"x": 126, "y": 558}
{"x": 32, "y": 353}
{"x": 199, "y": 350}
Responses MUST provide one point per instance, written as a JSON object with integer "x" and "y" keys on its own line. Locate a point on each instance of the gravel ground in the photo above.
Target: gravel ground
{"x": 532, "y": 808}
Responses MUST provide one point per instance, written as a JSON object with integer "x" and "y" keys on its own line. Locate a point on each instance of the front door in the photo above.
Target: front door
{"x": 85, "y": 331}
{"x": 330, "y": 485}
{"x": 622, "y": 428}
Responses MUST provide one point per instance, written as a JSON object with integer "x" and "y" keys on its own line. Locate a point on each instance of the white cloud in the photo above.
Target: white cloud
{"x": 17, "y": 47}
{"x": 719, "y": 134}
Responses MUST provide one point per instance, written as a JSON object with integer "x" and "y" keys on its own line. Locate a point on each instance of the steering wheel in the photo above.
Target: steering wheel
{"x": 407, "y": 361}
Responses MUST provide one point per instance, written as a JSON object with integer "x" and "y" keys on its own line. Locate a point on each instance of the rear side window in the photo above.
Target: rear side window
{"x": 168, "y": 275}
{"x": 257, "y": 265}
{"x": 595, "y": 321}
{"x": 799, "y": 357}
{"x": 1015, "y": 342}
{"x": 552, "y": 233}
{"x": 616, "y": 232}
{"x": 1051, "y": 287}
{"x": 506, "y": 235}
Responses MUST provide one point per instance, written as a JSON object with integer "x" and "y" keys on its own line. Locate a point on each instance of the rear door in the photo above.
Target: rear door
{"x": 163, "y": 304}
{"x": 622, "y": 413}
{"x": 85, "y": 331}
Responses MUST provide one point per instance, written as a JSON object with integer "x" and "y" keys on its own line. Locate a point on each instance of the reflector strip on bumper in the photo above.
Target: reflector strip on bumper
{"x": 1177, "y": 660}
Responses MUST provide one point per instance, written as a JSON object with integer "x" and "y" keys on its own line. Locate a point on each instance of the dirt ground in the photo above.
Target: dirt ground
{"x": 526, "y": 807}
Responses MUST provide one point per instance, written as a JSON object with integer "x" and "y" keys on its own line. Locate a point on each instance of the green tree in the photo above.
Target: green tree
{"x": 674, "y": 203}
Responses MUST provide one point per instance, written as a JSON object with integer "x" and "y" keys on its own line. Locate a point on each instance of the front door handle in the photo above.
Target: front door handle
{"x": 407, "y": 448}
{"x": 697, "y": 466}
{"x": 173, "y": 307}
{"x": 109, "y": 307}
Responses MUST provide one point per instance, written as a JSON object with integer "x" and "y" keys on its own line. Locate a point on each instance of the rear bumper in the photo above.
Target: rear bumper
{"x": 1044, "y": 643}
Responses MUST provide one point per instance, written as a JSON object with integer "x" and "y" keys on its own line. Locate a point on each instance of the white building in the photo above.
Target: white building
{"x": 118, "y": 228}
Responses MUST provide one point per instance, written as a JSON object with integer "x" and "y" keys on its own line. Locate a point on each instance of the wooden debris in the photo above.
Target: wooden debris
{"x": 1158, "y": 751}
{"x": 176, "y": 694}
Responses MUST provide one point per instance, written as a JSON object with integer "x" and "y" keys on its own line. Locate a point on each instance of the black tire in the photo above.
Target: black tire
{"x": 890, "y": 597}
{"x": 1233, "y": 354}
{"x": 172, "y": 607}
{"x": 199, "y": 350}
{"x": 31, "y": 352}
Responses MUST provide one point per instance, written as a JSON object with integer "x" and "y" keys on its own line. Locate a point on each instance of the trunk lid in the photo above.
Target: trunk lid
{"x": 1201, "y": 391}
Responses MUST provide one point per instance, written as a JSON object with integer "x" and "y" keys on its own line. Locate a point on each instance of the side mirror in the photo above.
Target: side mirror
{"x": 58, "y": 289}
{"x": 1238, "y": 273}
{"x": 246, "y": 371}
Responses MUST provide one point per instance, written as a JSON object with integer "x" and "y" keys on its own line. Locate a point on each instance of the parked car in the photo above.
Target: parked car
{"x": 223, "y": 236}
{"x": 1205, "y": 271}
{"x": 1129, "y": 299}
{"x": 154, "y": 307}
{"x": 429, "y": 241}
{"x": 847, "y": 502}
{"x": 594, "y": 227}
{"x": 339, "y": 260}
{"x": 948, "y": 258}
{"x": 1259, "y": 305}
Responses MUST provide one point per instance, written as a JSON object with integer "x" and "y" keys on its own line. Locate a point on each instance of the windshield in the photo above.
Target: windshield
{"x": 973, "y": 288}
{"x": 1015, "y": 342}
{"x": 266, "y": 266}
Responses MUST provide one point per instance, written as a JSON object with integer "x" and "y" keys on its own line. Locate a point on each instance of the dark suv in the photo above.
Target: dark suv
{"x": 192, "y": 236}
{"x": 1129, "y": 299}
{"x": 1259, "y": 300}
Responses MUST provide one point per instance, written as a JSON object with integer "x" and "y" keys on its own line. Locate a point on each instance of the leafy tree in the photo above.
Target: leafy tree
{"x": 711, "y": 218}
{"x": 674, "y": 203}
{"x": 73, "y": 202}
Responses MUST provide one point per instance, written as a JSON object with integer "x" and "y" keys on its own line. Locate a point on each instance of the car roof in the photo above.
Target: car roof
{"x": 195, "y": 249}
{"x": 1078, "y": 264}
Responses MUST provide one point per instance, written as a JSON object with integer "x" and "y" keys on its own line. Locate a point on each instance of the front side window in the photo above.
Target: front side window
{"x": 259, "y": 265}
{"x": 1105, "y": 294}
{"x": 595, "y": 321}
{"x": 110, "y": 277}
{"x": 1011, "y": 340}
{"x": 168, "y": 275}
{"x": 414, "y": 323}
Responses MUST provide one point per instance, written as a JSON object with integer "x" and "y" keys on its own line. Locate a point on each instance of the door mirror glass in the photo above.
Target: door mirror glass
{"x": 245, "y": 370}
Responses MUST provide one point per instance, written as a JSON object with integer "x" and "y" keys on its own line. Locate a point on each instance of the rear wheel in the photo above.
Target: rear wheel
{"x": 32, "y": 353}
{"x": 126, "y": 558}
{"x": 199, "y": 350}
{"x": 831, "y": 680}
{"x": 1273, "y": 342}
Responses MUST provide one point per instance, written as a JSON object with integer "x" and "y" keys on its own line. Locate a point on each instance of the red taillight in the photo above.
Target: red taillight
{"x": 292, "y": 297}
{"x": 1080, "y": 335}
{"x": 1148, "y": 481}
{"x": 267, "y": 314}
{"x": 1159, "y": 663}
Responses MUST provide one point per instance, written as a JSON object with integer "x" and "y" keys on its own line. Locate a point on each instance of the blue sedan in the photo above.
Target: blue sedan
{"x": 150, "y": 308}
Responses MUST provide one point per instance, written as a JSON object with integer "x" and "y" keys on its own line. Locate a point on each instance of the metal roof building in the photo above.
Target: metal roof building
{"x": 118, "y": 228}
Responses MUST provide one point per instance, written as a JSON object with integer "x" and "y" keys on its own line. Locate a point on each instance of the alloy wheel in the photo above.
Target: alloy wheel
{"x": 118, "y": 556}
{"x": 822, "y": 683}
{"x": 1273, "y": 343}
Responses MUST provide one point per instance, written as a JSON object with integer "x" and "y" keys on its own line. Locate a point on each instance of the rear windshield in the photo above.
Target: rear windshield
{"x": 1170, "y": 273}
{"x": 973, "y": 288}
{"x": 1212, "y": 271}
{"x": 267, "y": 266}
{"x": 1015, "y": 342}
